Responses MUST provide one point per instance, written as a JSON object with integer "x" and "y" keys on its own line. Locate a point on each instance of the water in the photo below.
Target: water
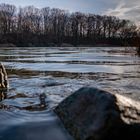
{"x": 40, "y": 78}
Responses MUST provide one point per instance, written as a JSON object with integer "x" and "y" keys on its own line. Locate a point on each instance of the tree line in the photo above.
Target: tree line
{"x": 29, "y": 25}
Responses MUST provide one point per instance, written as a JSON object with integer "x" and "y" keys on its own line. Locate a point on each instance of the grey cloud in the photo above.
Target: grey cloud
{"x": 126, "y": 9}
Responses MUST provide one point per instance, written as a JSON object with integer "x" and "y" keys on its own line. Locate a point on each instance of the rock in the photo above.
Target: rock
{"x": 3, "y": 77}
{"x": 93, "y": 114}
{"x": 42, "y": 98}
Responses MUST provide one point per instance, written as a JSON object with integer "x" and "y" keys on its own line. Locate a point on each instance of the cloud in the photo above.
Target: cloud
{"x": 126, "y": 9}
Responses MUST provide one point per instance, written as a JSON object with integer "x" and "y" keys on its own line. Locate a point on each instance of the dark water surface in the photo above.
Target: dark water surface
{"x": 40, "y": 78}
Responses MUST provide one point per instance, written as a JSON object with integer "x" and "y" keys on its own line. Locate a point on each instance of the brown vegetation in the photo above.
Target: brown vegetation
{"x": 30, "y": 26}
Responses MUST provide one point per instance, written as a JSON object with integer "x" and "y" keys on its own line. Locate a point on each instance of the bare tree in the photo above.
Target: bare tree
{"x": 32, "y": 25}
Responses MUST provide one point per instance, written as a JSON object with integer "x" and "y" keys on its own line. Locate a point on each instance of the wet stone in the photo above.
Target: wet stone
{"x": 3, "y": 77}
{"x": 94, "y": 114}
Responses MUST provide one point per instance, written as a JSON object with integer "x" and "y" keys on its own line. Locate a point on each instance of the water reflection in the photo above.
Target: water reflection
{"x": 38, "y": 107}
{"x": 3, "y": 94}
{"x": 30, "y": 71}
{"x": 40, "y": 78}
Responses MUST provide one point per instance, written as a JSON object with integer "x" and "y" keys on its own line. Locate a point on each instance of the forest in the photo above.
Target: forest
{"x": 30, "y": 26}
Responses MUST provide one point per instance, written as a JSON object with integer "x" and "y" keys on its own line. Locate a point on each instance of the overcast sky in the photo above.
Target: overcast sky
{"x": 127, "y": 9}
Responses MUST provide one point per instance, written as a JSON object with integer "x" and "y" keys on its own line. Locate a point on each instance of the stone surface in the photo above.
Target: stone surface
{"x": 93, "y": 114}
{"x": 3, "y": 77}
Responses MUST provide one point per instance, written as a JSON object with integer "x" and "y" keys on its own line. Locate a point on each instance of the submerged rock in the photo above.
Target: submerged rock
{"x": 93, "y": 114}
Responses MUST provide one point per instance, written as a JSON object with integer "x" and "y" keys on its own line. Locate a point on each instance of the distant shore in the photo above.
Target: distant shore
{"x": 58, "y": 45}
{"x": 52, "y": 27}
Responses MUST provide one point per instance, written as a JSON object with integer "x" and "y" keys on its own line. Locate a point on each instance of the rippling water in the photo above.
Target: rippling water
{"x": 40, "y": 78}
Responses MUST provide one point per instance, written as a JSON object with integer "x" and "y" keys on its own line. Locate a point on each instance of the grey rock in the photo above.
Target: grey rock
{"x": 3, "y": 77}
{"x": 93, "y": 114}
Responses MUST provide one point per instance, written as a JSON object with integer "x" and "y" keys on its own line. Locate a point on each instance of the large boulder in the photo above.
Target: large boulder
{"x": 93, "y": 114}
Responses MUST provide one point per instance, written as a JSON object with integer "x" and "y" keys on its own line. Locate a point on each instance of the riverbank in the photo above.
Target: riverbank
{"x": 56, "y": 45}
{"x": 8, "y": 45}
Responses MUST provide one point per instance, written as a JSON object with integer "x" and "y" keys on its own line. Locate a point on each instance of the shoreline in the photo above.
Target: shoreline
{"x": 62, "y": 45}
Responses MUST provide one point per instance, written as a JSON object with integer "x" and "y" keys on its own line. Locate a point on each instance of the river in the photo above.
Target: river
{"x": 40, "y": 78}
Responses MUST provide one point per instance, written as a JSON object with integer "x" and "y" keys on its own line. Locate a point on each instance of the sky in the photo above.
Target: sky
{"x": 125, "y": 9}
